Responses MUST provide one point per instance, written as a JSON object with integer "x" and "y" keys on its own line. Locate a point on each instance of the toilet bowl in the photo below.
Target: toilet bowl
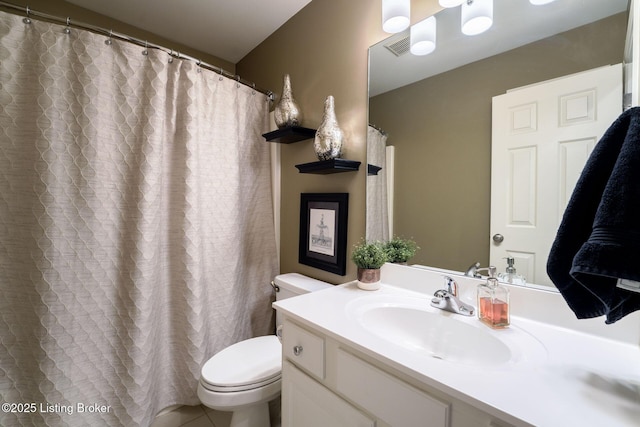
{"x": 244, "y": 377}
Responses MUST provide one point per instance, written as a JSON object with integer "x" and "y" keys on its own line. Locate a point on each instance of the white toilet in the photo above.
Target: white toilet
{"x": 244, "y": 377}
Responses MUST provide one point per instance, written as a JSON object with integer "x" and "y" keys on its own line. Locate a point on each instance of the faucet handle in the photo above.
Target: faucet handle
{"x": 451, "y": 286}
{"x": 491, "y": 271}
{"x": 472, "y": 270}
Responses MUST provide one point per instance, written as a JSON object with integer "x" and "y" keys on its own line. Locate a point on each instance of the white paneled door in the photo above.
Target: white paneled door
{"x": 542, "y": 135}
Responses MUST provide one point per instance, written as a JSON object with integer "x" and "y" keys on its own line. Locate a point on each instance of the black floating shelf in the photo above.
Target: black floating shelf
{"x": 289, "y": 134}
{"x": 325, "y": 167}
{"x": 373, "y": 169}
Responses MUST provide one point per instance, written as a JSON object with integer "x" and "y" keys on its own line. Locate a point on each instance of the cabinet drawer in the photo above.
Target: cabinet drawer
{"x": 303, "y": 348}
{"x": 387, "y": 397}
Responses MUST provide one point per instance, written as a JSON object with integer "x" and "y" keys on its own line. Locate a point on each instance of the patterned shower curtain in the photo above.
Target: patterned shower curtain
{"x": 377, "y": 201}
{"x": 136, "y": 226}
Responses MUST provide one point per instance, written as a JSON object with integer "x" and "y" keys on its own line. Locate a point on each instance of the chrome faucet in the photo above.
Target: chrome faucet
{"x": 472, "y": 271}
{"x": 447, "y": 299}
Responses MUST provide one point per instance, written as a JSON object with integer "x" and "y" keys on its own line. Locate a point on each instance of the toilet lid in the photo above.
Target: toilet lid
{"x": 248, "y": 362}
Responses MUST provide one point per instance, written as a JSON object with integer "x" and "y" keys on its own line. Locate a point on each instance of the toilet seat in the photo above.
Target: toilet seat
{"x": 245, "y": 387}
{"x": 246, "y": 365}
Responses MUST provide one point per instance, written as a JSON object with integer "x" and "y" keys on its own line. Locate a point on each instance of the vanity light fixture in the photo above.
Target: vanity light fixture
{"x": 395, "y": 15}
{"x": 477, "y": 16}
{"x": 423, "y": 37}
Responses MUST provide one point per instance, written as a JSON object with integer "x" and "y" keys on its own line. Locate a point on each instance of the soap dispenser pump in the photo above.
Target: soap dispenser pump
{"x": 510, "y": 276}
{"x": 493, "y": 302}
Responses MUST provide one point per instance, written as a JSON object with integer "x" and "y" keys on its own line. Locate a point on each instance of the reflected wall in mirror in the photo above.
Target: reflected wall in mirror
{"x": 440, "y": 125}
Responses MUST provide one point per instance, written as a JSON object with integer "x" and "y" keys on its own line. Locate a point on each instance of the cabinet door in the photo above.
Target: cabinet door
{"x": 307, "y": 403}
{"x": 387, "y": 397}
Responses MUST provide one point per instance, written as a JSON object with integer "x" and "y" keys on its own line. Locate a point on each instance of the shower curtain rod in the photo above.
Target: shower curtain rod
{"x": 143, "y": 43}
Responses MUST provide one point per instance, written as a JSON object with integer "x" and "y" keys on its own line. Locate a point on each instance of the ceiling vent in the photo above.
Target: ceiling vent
{"x": 399, "y": 47}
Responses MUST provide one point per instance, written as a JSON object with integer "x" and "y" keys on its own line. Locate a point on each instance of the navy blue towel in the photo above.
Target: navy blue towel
{"x": 598, "y": 241}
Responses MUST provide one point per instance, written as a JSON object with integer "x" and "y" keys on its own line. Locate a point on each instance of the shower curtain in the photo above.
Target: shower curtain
{"x": 136, "y": 226}
{"x": 377, "y": 202}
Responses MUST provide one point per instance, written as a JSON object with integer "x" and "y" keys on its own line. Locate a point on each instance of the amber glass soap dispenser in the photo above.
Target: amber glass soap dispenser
{"x": 493, "y": 302}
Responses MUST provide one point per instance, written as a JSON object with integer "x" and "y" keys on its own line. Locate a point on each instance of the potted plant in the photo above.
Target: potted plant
{"x": 400, "y": 250}
{"x": 369, "y": 257}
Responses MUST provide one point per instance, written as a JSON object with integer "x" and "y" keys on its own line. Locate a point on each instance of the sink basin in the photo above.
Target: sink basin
{"x": 412, "y": 324}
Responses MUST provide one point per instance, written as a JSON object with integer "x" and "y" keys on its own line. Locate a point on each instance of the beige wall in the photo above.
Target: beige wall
{"x": 325, "y": 50}
{"x": 63, "y": 9}
{"x": 441, "y": 127}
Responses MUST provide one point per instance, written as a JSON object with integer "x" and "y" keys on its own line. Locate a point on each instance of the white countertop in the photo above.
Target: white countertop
{"x": 582, "y": 380}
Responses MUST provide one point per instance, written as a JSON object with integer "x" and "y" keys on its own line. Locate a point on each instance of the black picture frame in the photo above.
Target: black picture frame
{"x": 323, "y": 231}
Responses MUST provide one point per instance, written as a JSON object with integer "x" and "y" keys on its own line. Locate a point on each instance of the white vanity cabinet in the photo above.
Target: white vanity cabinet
{"x": 305, "y": 402}
{"x": 355, "y": 357}
{"x": 328, "y": 383}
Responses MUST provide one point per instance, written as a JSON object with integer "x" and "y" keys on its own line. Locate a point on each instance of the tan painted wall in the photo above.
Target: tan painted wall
{"x": 441, "y": 127}
{"x": 325, "y": 50}
{"x": 63, "y": 9}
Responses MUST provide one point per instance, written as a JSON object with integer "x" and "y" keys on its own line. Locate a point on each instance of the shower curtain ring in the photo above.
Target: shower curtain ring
{"x": 108, "y": 41}
{"x": 67, "y": 29}
{"x": 171, "y": 56}
{"x": 237, "y": 81}
{"x": 198, "y": 64}
{"x": 26, "y": 19}
{"x": 145, "y": 52}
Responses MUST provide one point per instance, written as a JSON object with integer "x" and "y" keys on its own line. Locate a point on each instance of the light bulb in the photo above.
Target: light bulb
{"x": 423, "y": 37}
{"x": 477, "y": 16}
{"x": 540, "y": 2}
{"x": 395, "y": 15}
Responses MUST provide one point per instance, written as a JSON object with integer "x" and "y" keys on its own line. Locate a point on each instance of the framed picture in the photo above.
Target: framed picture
{"x": 323, "y": 231}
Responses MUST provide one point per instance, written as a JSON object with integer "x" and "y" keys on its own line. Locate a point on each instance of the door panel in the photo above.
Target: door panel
{"x": 542, "y": 136}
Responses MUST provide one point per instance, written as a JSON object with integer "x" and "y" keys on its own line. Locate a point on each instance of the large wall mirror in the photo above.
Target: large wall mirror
{"x": 436, "y": 112}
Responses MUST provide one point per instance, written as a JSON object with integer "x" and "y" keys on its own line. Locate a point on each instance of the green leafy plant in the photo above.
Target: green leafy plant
{"x": 369, "y": 255}
{"x": 400, "y": 250}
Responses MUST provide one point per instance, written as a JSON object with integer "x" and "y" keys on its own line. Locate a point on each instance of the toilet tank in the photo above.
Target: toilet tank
{"x": 293, "y": 284}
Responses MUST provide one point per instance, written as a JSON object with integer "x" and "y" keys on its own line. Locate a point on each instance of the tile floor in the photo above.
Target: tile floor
{"x": 193, "y": 416}
{"x": 201, "y": 416}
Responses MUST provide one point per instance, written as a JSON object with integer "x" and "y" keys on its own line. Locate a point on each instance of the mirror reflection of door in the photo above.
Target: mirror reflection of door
{"x": 440, "y": 124}
{"x": 542, "y": 135}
